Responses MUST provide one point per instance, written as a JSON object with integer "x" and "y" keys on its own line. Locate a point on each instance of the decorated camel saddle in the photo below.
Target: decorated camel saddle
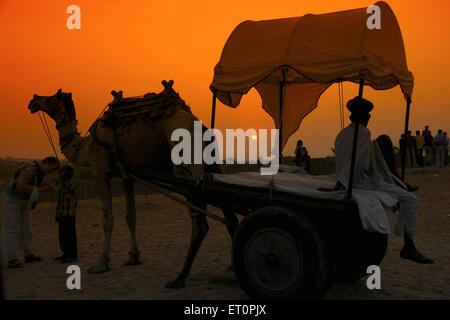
{"x": 152, "y": 106}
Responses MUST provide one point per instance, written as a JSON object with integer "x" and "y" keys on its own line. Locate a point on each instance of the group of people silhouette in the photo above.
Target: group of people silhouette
{"x": 424, "y": 148}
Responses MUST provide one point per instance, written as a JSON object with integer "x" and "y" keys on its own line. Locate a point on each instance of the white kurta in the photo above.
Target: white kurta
{"x": 371, "y": 173}
{"x": 343, "y": 146}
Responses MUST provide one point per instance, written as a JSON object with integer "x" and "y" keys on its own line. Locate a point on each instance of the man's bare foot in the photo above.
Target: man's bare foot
{"x": 411, "y": 253}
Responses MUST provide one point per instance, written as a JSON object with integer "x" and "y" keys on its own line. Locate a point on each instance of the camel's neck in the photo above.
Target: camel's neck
{"x": 71, "y": 143}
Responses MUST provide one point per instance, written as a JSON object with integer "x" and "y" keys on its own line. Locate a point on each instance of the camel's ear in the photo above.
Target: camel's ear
{"x": 35, "y": 96}
{"x": 59, "y": 92}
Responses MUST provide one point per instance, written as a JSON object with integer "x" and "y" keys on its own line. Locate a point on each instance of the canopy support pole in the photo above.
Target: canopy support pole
{"x": 213, "y": 112}
{"x": 403, "y": 154}
{"x": 280, "y": 127}
{"x": 355, "y": 145}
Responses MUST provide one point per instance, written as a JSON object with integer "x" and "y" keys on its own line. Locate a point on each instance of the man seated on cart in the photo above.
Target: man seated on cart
{"x": 367, "y": 177}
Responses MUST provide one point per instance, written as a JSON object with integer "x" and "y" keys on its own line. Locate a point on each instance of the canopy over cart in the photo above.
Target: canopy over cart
{"x": 292, "y": 61}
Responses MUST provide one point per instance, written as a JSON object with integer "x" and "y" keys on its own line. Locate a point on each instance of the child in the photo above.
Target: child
{"x": 65, "y": 216}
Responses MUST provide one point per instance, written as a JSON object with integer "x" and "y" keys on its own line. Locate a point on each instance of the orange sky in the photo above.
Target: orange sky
{"x": 132, "y": 45}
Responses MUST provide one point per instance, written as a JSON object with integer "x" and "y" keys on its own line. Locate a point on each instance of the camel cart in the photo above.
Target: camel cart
{"x": 294, "y": 239}
{"x": 287, "y": 244}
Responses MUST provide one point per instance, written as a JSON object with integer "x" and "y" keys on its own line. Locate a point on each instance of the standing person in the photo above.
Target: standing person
{"x": 363, "y": 178}
{"x": 65, "y": 216}
{"x": 410, "y": 150}
{"x": 426, "y": 131}
{"x": 438, "y": 143}
{"x": 429, "y": 153}
{"x": 420, "y": 142}
{"x": 446, "y": 147}
{"x": 16, "y": 202}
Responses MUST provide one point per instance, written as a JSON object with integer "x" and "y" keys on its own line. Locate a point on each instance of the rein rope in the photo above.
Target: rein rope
{"x": 47, "y": 132}
{"x": 99, "y": 116}
{"x": 87, "y": 131}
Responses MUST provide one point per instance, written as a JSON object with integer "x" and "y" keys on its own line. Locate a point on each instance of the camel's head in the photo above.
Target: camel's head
{"x": 59, "y": 106}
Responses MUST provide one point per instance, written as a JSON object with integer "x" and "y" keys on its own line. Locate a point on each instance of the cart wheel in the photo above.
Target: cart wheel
{"x": 278, "y": 254}
{"x": 360, "y": 251}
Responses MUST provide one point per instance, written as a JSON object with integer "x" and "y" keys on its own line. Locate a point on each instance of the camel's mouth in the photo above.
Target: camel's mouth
{"x": 33, "y": 107}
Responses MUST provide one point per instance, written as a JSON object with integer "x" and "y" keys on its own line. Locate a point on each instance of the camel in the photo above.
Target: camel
{"x": 141, "y": 140}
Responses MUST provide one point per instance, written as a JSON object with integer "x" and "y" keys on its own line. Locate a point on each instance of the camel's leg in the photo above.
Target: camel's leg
{"x": 104, "y": 188}
{"x": 199, "y": 230}
{"x": 230, "y": 220}
{"x": 131, "y": 221}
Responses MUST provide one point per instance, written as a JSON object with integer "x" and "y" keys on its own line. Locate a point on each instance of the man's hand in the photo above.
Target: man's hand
{"x": 45, "y": 188}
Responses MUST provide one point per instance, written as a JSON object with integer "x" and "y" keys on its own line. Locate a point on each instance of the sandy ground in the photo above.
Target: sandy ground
{"x": 164, "y": 233}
